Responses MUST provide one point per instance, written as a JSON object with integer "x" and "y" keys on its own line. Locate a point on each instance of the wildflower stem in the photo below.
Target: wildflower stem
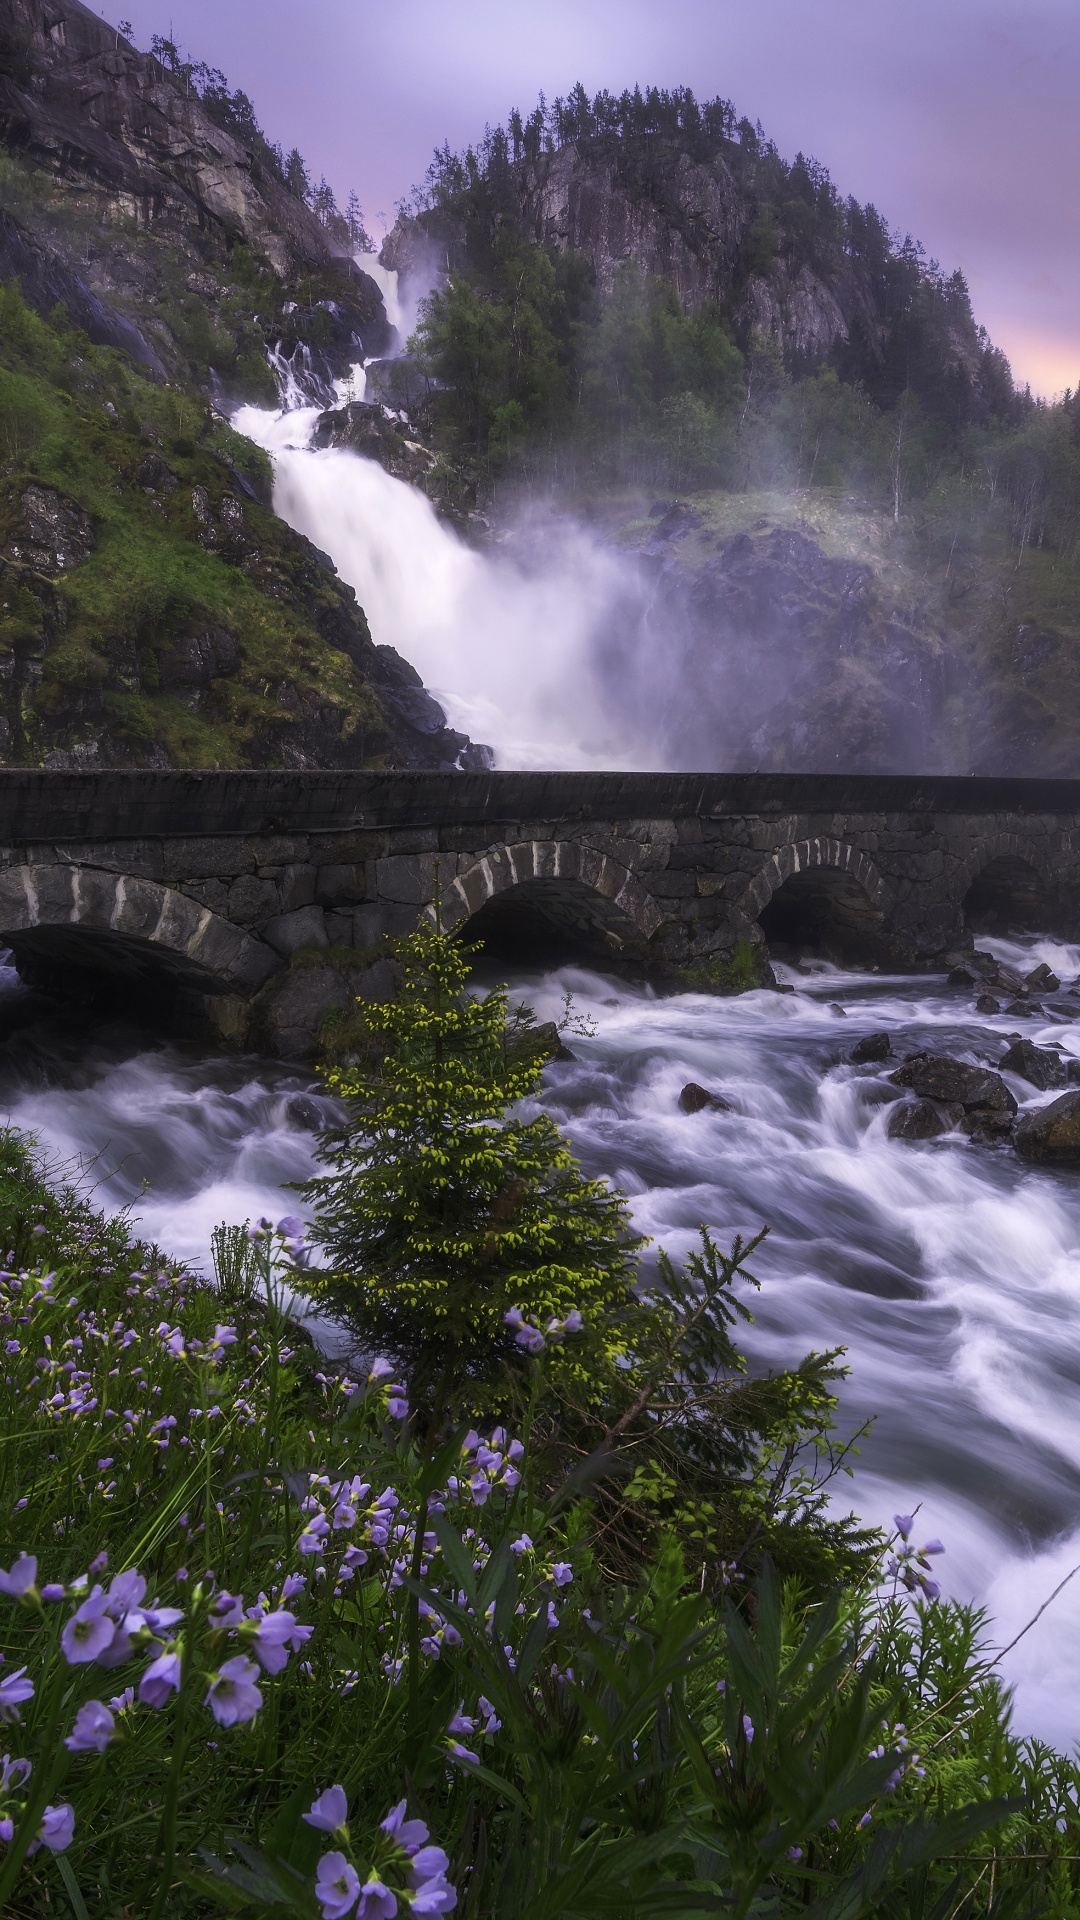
{"x": 170, "y": 1810}
{"x": 50, "y": 1749}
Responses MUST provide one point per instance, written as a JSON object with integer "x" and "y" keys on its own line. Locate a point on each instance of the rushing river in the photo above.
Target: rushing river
{"x": 950, "y": 1272}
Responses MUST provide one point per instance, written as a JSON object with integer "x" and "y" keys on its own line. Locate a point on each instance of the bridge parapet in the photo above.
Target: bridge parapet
{"x": 271, "y": 892}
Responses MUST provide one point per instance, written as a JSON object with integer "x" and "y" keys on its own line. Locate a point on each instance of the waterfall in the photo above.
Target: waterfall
{"x": 536, "y": 646}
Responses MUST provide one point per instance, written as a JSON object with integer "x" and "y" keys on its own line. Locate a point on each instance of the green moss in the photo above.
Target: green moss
{"x": 738, "y": 972}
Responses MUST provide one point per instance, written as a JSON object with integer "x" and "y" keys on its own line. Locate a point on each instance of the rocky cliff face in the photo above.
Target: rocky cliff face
{"x": 793, "y": 659}
{"x": 725, "y": 233}
{"x": 118, "y": 136}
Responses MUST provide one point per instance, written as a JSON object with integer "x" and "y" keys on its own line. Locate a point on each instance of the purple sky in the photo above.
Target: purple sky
{"x": 958, "y": 118}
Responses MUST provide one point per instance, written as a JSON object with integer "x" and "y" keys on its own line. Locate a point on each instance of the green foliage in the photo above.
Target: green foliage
{"x": 440, "y": 1216}
{"x": 108, "y": 623}
{"x": 739, "y": 972}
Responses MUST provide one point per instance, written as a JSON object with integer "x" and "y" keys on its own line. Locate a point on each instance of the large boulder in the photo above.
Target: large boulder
{"x": 923, "y": 1119}
{"x": 1037, "y": 1065}
{"x": 872, "y": 1046}
{"x": 1051, "y": 1135}
{"x": 938, "y": 1077}
{"x": 695, "y": 1099}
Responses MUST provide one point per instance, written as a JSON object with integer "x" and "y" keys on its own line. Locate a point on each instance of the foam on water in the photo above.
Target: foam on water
{"x": 950, "y": 1273}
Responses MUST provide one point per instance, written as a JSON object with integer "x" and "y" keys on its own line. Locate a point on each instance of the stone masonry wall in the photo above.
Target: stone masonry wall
{"x": 282, "y": 926}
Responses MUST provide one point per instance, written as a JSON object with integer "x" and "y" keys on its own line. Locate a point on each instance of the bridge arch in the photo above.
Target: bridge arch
{"x": 820, "y": 893}
{"x": 805, "y": 856}
{"x": 136, "y": 932}
{"x": 565, "y": 884}
{"x": 1007, "y": 878}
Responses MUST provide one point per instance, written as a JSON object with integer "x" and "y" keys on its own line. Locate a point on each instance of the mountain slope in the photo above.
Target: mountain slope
{"x": 152, "y": 608}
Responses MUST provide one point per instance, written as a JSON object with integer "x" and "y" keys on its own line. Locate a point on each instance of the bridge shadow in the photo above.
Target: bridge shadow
{"x": 105, "y": 969}
{"x": 551, "y": 923}
{"x": 828, "y": 913}
{"x": 1009, "y": 895}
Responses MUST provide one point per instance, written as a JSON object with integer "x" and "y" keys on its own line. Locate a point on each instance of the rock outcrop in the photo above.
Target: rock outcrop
{"x": 938, "y": 1077}
{"x": 778, "y": 655}
{"x": 1051, "y": 1135}
{"x": 119, "y": 135}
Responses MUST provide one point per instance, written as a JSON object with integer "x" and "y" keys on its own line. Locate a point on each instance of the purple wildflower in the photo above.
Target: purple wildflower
{"x": 562, "y": 1573}
{"x": 89, "y": 1631}
{"x": 276, "y": 1633}
{"x": 432, "y": 1892}
{"x": 161, "y": 1678}
{"x": 57, "y": 1830}
{"x": 233, "y": 1696}
{"x": 94, "y": 1728}
{"x": 22, "y": 1577}
{"x": 14, "y": 1690}
{"x": 903, "y": 1522}
{"x": 410, "y": 1834}
{"x": 329, "y": 1812}
{"x": 376, "y": 1901}
{"x": 337, "y": 1886}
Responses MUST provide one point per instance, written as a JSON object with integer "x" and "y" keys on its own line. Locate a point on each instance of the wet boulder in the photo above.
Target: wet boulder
{"x": 1039, "y": 1066}
{"x": 695, "y": 1099}
{"x": 1051, "y": 1135}
{"x": 924, "y": 1119}
{"x": 872, "y": 1046}
{"x": 1023, "y": 1010}
{"x": 987, "y": 1124}
{"x": 934, "y": 1076}
{"x": 1042, "y": 979}
{"x": 987, "y": 1004}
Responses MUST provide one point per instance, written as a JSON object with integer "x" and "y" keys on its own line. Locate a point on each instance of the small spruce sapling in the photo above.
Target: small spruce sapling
{"x": 442, "y": 1213}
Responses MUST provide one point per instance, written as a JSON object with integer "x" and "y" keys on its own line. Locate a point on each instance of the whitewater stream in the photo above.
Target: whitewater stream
{"x": 949, "y": 1272}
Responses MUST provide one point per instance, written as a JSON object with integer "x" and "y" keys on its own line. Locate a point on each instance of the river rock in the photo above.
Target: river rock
{"x": 695, "y": 1099}
{"x": 1037, "y": 1065}
{"x": 872, "y": 1046}
{"x": 987, "y": 1124}
{"x": 1051, "y": 1135}
{"x": 1023, "y": 1010}
{"x": 987, "y": 1004}
{"x": 1042, "y": 979}
{"x": 964, "y": 975}
{"x": 923, "y": 1119}
{"x": 938, "y": 1077}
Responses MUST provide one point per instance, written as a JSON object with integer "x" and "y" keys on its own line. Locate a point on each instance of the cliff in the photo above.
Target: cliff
{"x": 153, "y": 611}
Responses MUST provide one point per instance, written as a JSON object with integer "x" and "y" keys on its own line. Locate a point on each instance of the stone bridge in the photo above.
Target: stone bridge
{"x": 262, "y": 898}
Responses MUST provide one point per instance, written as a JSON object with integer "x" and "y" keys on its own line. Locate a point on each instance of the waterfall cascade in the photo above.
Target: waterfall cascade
{"x": 538, "y": 646}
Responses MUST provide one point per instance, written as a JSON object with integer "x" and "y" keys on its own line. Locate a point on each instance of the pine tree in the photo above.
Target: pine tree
{"x": 441, "y": 1214}
{"x": 296, "y": 174}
